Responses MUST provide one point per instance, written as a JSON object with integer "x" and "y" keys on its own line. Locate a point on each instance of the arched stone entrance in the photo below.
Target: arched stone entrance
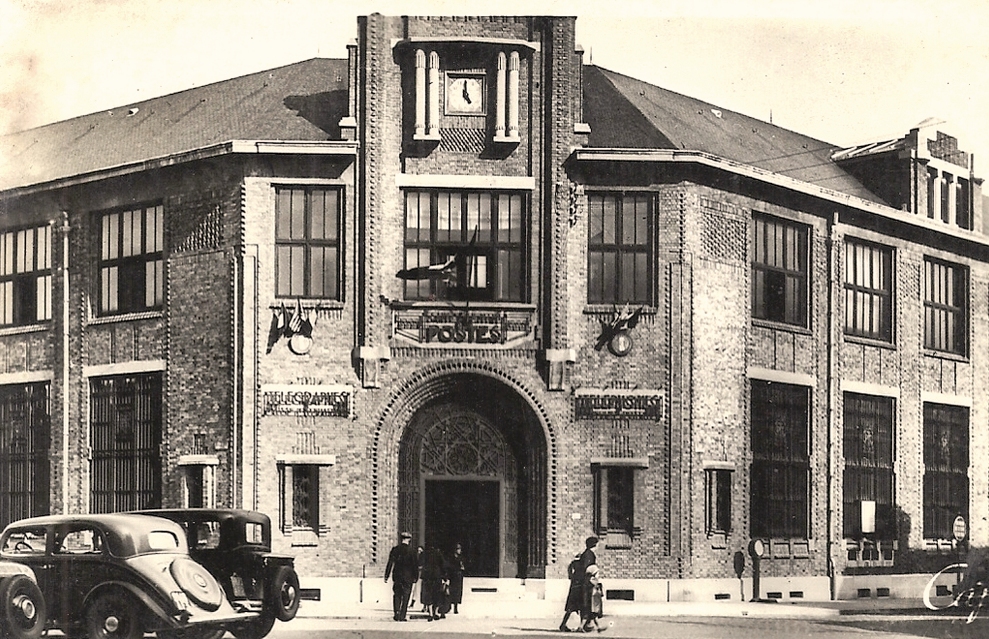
{"x": 472, "y": 470}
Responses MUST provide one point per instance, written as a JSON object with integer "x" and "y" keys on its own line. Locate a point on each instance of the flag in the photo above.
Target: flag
{"x": 277, "y": 328}
{"x": 431, "y": 272}
{"x": 295, "y": 324}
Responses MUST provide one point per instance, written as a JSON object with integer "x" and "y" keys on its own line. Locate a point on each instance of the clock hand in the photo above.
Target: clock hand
{"x": 466, "y": 94}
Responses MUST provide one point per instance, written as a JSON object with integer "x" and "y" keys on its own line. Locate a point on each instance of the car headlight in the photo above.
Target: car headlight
{"x": 180, "y": 600}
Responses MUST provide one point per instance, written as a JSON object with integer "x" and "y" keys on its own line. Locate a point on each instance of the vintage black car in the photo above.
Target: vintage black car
{"x": 23, "y": 613}
{"x": 235, "y": 546}
{"x": 115, "y": 577}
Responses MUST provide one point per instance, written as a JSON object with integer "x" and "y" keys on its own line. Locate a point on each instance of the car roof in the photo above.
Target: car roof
{"x": 203, "y": 514}
{"x": 127, "y": 534}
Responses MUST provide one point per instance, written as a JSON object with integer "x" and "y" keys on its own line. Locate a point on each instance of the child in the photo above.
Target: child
{"x": 593, "y": 599}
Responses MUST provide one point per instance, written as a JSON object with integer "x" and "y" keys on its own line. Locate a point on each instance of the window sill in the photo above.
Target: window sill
{"x": 307, "y": 303}
{"x": 955, "y": 357}
{"x": 125, "y": 317}
{"x": 868, "y": 341}
{"x": 447, "y": 305}
{"x": 21, "y": 330}
{"x": 609, "y": 309}
{"x": 780, "y": 326}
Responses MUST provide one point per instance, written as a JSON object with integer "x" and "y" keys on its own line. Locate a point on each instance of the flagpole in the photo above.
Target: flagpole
{"x": 470, "y": 275}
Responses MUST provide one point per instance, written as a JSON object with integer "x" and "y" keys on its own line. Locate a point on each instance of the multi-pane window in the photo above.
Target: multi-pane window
{"x": 780, "y": 442}
{"x": 132, "y": 276}
{"x": 125, "y": 441}
{"x": 868, "y": 290}
{"x": 25, "y": 432}
{"x": 307, "y": 242}
{"x": 868, "y": 451}
{"x": 465, "y": 245}
{"x": 25, "y": 276}
{"x": 305, "y": 496}
{"x": 945, "y": 307}
{"x": 615, "y": 499}
{"x": 945, "y": 468}
{"x": 779, "y": 271}
{"x": 619, "y": 248}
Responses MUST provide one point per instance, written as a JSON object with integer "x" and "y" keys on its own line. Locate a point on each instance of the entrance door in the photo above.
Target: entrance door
{"x": 467, "y": 512}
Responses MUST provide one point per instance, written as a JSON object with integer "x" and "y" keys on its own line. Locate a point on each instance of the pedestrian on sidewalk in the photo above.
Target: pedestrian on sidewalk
{"x": 435, "y": 587}
{"x": 403, "y": 567}
{"x": 593, "y": 599}
{"x": 455, "y": 572}
{"x": 575, "y": 596}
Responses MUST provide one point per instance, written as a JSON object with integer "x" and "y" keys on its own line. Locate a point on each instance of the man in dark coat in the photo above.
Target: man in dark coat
{"x": 403, "y": 566}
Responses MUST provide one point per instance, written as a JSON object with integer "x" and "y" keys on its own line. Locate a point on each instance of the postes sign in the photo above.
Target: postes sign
{"x": 463, "y": 327}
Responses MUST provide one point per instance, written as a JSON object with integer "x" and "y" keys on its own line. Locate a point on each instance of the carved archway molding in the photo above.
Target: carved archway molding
{"x": 421, "y": 387}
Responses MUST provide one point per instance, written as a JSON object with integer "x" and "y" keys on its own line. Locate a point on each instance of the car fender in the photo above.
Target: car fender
{"x": 11, "y": 568}
{"x": 150, "y": 604}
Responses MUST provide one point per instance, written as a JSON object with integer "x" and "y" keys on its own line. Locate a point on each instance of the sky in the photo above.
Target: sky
{"x": 844, "y": 71}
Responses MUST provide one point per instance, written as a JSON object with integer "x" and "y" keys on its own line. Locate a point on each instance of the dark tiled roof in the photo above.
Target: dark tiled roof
{"x": 299, "y": 102}
{"x": 627, "y": 113}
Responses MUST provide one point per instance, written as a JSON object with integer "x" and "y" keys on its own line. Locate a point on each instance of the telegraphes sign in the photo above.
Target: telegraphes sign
{"x": 462, "y": 327}
{"x": 304, "y": 399}
{"x": 648, "y": 404}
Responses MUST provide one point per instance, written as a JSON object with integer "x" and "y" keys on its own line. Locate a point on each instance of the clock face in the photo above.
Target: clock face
{"x": 465, "y": 94}
{"x": 621, "y": 343}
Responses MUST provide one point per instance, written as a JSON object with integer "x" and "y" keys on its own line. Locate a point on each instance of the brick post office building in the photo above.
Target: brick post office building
{"x": 461, "y": 284}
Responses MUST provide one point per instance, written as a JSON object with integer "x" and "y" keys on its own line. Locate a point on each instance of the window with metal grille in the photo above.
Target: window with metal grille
{"x": 305, "y": 496}
{"x": 308, "y": 245}
{"x": 780, "y": 442}
{"x": 619, "y": 248}
{"x": 25, "y": 276}
{"x": 945, "y": 468}
{"x": 868, "y": 290}
{"x": 25, "y": 435}
{"x": 718, "y": 500}
{"x": 125, "y": 423}
{"x": 132, "y": 276}
{"x": 465, "y": 245}
{"x": 869, "y": 452}
{"x": 614, "y": 496}
{"x": 945, "y": 307}
{"x": 779, "y": 271}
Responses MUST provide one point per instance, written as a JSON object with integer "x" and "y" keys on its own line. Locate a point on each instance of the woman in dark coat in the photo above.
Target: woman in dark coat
{"x": 433, "y": 587}
{"x": 455, "y": 573}
{"x": 575, "y": 596}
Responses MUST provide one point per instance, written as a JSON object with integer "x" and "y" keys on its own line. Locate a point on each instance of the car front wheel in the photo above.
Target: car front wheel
{"x": 284, "y": 593}
{"x": 114, "y": 615}
{"x": 24, "y": 611}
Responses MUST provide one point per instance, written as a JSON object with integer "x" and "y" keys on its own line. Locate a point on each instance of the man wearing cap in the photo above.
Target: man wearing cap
{"x": 402, "y": 559}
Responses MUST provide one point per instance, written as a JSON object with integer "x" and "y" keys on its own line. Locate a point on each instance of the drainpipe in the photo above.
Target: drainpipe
{"x": 831, "y": 390}
{"x": 65, "y": 360}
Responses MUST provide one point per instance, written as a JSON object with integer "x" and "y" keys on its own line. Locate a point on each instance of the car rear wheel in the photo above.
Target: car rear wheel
{"x": 198, "y": 583}
{"x": 256, "y": 629}
{"x": 23, "y": 608}
{"x": 114, "y": 615}
{"x": 283, "y": 594}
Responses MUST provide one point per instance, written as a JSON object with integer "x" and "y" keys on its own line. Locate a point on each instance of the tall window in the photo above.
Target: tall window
{"x": 868, "y": 452}
{"x": 718, "y": 500}
{"x": 132, "y": 276}
{"x": 305, "y": 496}
{"x": 619, "y": 248}
{"x": 868, "y": 290}
{"x": 25, "y": 431}
{"x": 464, "y": 245}
{"x": 779, "y": 271}
{"x": 307, "y": 242}
{"x": 615, "y": 499}
{"x": 945, "y": 307}
{"x": 945, "y": 468}
{"x": 25, "y": 276}
{"x": 780, "y": 441}
{"x": 125, "y": 422}
{"x": 932, "y": 180}
{"x": 963, "y": 205}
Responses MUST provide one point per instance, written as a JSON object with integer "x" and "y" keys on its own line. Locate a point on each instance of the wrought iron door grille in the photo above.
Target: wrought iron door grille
{"x": 25, "y": 437}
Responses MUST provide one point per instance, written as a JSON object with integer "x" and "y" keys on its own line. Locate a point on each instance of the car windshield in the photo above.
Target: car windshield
{"x": 204, "y": 535}
{"x": 162, "y": 540}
